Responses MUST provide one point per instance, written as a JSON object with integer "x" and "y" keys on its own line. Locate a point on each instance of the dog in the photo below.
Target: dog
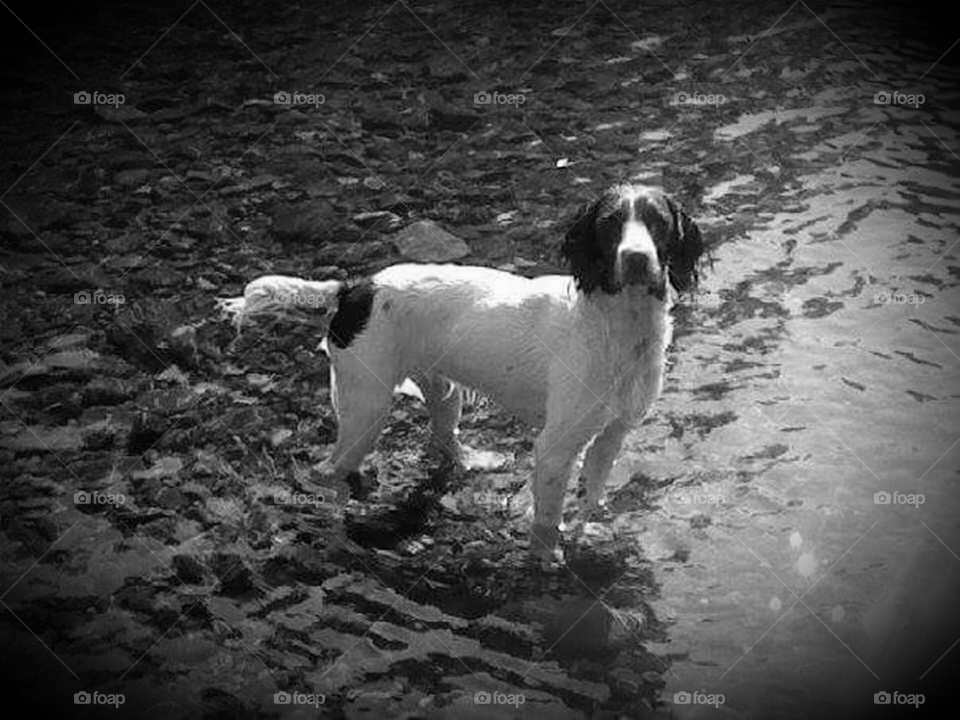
{"x": 581, "y": 357}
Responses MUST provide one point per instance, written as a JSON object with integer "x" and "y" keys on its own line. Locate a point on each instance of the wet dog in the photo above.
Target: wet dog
{"x": 581, "y": 357}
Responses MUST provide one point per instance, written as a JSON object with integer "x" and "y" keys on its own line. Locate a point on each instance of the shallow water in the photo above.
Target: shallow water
{"x": 811, "y": 392}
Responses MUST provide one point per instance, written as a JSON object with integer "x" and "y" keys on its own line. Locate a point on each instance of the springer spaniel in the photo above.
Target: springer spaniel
{"x": 581, "y": 357}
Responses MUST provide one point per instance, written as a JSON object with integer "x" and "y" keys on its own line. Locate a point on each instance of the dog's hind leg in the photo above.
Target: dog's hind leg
{"x": 599, "y": 460}
{"x": 362, "y": 401}
{"x": 445, "y": 404}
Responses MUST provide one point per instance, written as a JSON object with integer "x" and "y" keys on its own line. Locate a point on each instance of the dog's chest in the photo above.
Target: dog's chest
{"x": 633, "y": 361}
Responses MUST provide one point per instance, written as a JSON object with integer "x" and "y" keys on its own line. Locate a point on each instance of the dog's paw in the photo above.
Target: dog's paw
{"x": 448, "y": 454}
{"x": 544, "y": 543}
{"x": 324, "y": 481}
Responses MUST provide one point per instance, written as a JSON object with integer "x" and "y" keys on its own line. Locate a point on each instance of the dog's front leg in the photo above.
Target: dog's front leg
{"x": 556, "y": 450}
{"x": 598, "y": 462}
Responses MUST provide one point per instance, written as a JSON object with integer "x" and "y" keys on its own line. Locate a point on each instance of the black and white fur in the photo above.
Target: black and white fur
{"x": 581, "y": 357}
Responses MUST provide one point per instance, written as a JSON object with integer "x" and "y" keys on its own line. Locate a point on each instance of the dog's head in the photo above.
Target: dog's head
{"x": 633, "y": 236}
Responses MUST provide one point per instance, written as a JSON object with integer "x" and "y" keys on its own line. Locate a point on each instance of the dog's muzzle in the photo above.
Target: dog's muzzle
{"x": 637, "y": 263}
{"x": 636, "y": 269}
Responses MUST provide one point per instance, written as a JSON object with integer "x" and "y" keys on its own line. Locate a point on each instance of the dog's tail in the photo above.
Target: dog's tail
{"x": 281, "y": 296}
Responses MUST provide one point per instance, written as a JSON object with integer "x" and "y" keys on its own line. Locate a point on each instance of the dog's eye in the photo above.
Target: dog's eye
{"x": 656, "y": 221}
{"x": 609, "y": 229}
{"x": 611, "y": 217}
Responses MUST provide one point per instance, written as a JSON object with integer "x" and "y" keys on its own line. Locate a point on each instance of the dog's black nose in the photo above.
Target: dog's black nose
{"x": 637, "y": 261}
{"x": 636, "y": 268}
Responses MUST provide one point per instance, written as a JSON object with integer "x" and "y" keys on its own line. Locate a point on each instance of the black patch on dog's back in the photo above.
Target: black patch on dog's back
{"x": 354, "y": 305}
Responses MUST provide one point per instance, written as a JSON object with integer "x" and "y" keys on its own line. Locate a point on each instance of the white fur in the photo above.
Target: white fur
{"x": 581, "y": 367}
{"x": 585, "y": 366}
{"x": 512, "y": 338}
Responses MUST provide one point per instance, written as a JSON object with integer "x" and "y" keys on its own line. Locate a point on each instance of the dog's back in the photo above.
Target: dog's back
{"x": 483, "y": 328}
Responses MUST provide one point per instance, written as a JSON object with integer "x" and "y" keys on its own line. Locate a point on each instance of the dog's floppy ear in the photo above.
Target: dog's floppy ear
{"x": 684, "y": 250}
{"x": 580, "y": 248}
